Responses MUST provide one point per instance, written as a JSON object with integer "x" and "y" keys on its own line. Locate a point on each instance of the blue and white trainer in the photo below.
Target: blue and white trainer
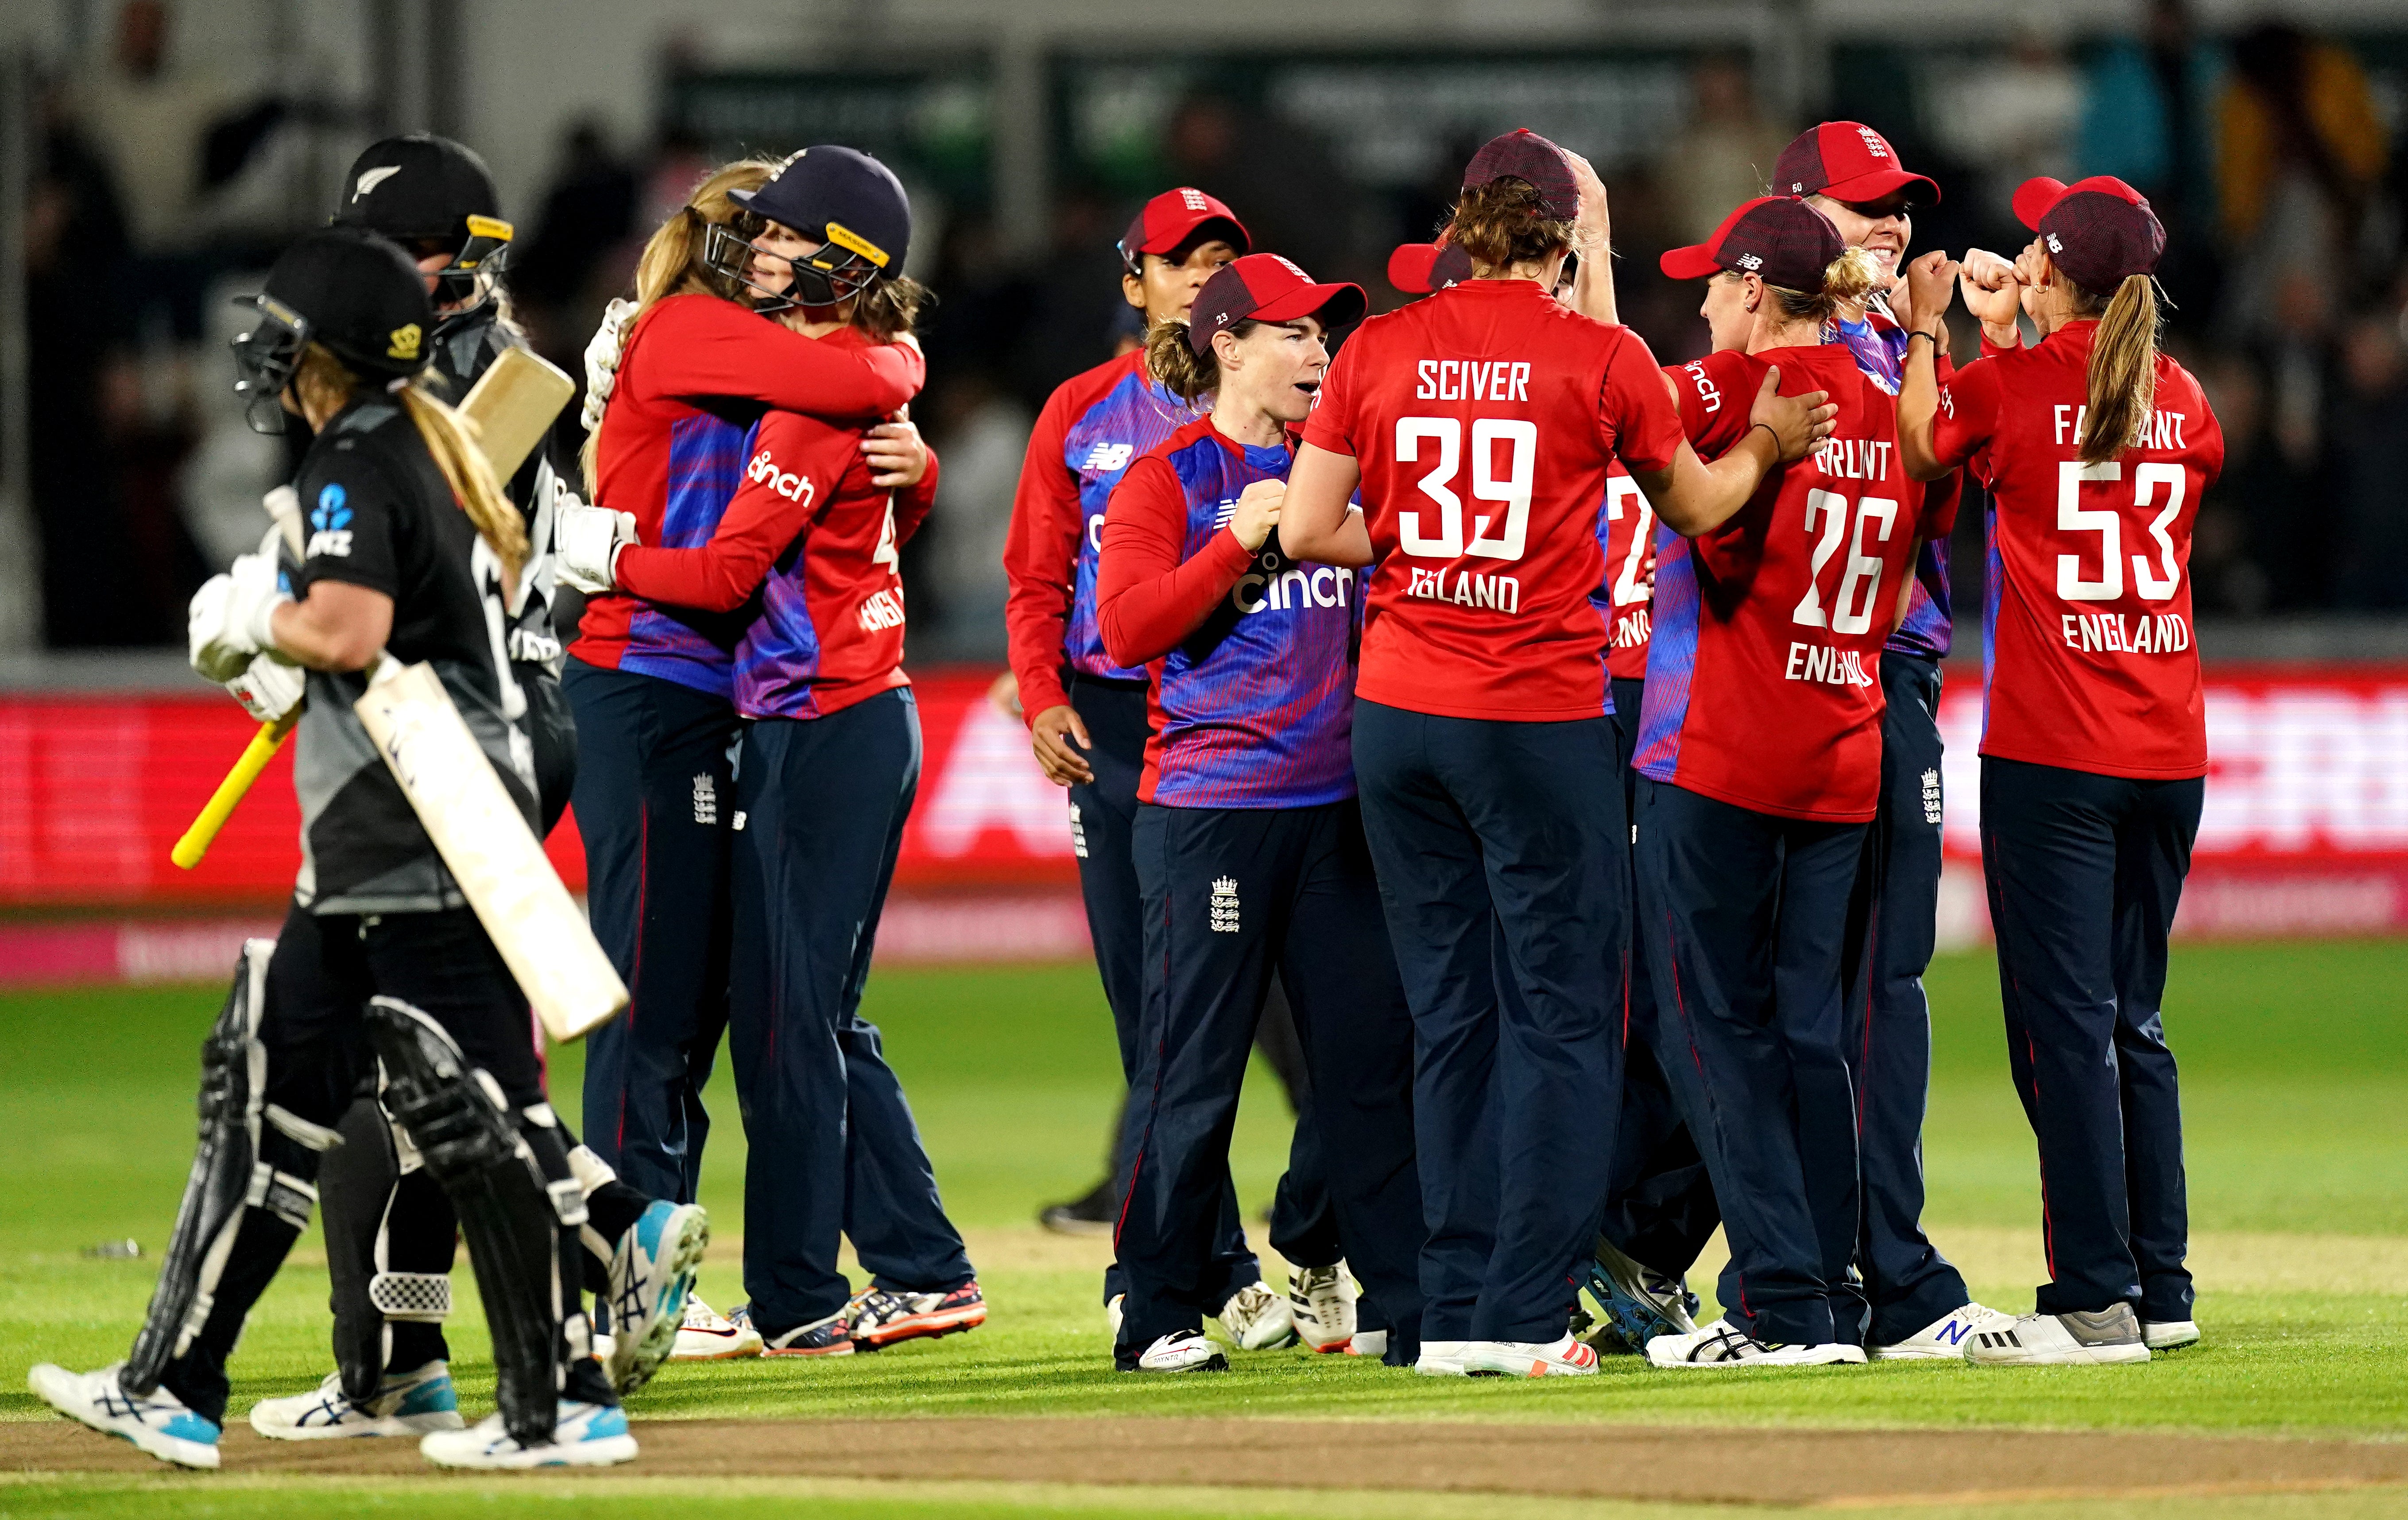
{"x": 651, "y": 1273}
{"x": 584, "y": 1436}
{"x": 1637, "y": 1303}
{"x": 1944, "y": 1340}
{"x": 158, "y": 1422}
{"x": 412, "y": 1403}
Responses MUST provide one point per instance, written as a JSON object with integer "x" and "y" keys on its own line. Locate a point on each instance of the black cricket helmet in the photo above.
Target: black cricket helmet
{"x": 347, "y": 288}
{"x": 843, "y": 200}
{"x": 430, "y": 194}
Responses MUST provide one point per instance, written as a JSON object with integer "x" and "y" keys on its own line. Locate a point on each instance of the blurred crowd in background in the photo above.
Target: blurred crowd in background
{"x": 2278, "y": 160}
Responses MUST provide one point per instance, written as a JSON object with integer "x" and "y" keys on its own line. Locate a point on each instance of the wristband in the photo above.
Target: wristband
{"x": 1934, "y": 337}
{"x": 1776, "y": 437}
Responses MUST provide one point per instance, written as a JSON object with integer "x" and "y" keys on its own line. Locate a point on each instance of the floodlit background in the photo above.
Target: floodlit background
{"x": 154, "y": 156}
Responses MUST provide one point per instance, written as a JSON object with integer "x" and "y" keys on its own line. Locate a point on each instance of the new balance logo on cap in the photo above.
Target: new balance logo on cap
{"x": 372, "y": 178}
{"x": 1750, "y": 261}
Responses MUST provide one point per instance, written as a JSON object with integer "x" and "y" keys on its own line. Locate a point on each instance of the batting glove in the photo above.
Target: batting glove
{"x": 267, "y": 690}
{"x": 585, "y": 544}
{"x": 602, "y": 360}
{"x": 228, "y": 621}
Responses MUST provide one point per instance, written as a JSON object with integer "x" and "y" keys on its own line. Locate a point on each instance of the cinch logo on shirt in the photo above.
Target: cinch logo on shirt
{"x": 764, "y": 471}
{"x": 1109, "y": 457}
{"x": 1275, "y": 584}
{"x": 1826, "y": 666}
{"x": 330, "y": 521}
{"x": 1712, "y": 398}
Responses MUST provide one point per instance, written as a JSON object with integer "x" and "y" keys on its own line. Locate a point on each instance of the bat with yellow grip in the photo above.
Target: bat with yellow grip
{"x": 513, "y": 405}
{"x": 255, "y": 755}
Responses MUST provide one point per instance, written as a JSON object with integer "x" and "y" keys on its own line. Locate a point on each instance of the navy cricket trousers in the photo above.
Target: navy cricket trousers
{"x": 1744, "y": 917}
{"x": 1234, "y": 895}
{"x": 2085, "y": 872}
{"x": 654, "y": 792}
{"x": 1103, "y": 821}
{"x": 834, "y": 1148}
{"x": 1908, "y": 1283}
{"x": 1659, "y": 1200}
{"x": 1500, "y": 857}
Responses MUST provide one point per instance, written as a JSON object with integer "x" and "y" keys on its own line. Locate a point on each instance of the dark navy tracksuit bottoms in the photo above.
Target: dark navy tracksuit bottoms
{"x": 1481, "y": 826}
{"x": 1659, "y": 1201}
{"x": 1232, "y": 895}
{"x": 1888, "y": 1030}
{"x": 834, "y": 1148}
{"x": 1744, "y": 916}
{"x": 655, "y": 794}
{"x": 1103, "y": 819}
{"x": 2085, "y": 872}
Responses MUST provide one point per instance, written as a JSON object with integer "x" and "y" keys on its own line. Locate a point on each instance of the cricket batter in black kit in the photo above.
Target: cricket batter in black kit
{"x": 390, "y": 1234}
{"x": 411, "y": 553}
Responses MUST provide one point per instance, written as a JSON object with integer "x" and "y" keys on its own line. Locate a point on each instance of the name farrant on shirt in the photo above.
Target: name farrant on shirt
{"x": 2112, "y": 633}
{"x": 1493, "y": 593}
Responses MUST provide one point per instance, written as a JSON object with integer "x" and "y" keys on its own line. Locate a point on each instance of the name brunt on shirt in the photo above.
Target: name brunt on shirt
{"x": 1764, "y": 675}
{"x": 2090, "y": 657}
{"x": 1484, "y": 420}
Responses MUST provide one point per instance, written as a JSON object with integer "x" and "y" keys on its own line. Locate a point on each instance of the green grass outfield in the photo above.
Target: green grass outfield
{"x": 2295, "y": 1063}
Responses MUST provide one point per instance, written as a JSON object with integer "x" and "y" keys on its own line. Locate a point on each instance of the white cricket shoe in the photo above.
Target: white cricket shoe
{"x": 1321, "y": 1302}
{"x": 1565, "y": 1359}
{"x": 1371, "y": 1343}
{"x": 2168, "y": 1334}
{"x": 706, "y": 1336}
{"x": 1112, "y": 1313}
{"x": 1181, "y": 1351}
{"x": 410, "y": 1403}
{"x": 652, "y": 1274}
{"x": 1723, "y": 1345}
{"x": 2078, "y": 1340}
{"x": 1944, "y": 1338}
{"x": 1441, "y": 1358}
{"x": 1258, "y": 1319}
{"x": 158, "y": 1422}
{"x": 584, "y": 1436}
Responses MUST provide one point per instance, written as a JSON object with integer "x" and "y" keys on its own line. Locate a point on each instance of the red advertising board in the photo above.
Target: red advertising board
{"x": 2306, "y": 827}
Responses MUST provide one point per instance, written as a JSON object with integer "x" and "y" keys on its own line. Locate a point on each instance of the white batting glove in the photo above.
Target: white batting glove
{"x": 228, "y": 621}
{"x": 602, "y": 360}
{"x": 585, "y": 544}
{"x": 267, "y": 690}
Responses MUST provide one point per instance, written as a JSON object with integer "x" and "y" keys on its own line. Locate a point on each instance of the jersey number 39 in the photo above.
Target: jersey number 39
{"x": 1495, "y": 535}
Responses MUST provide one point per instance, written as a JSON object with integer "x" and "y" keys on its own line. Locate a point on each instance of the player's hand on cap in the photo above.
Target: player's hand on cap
{"x": 898, "y": 455}
{"x": 229, "y": 619}
{"x": 1594, "y": 227}
{"x": 602, "y": 358}
{"x": 268, "y": 688}
{"x": 1258, "y": 512}
{"x": 1058, "y": 735}
{"x": 1798, "y": 423}
{"x": 585, "y": 544}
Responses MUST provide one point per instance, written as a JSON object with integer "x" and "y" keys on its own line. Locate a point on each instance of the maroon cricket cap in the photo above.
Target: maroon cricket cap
{"x": 1268, "y": 288}
{"x": 1172, "y": 218}
{"x": 1419, "y": 269}
{"x": 2097, "y": 230}
{"x": 1847, "y": 161}
{"x": 1523, "y": 154}
{"x": 1779, "y": 238}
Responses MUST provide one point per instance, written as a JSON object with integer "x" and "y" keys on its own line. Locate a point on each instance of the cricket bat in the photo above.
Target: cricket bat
{"x": 513, "y": 405}
{"x": 492, "y": 853}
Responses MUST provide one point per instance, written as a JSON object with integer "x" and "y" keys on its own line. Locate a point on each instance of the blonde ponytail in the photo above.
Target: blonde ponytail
{"x": 2123, "y": 381}
{"x": 325, "y": 386}
{"x": 1846, "y": 281}
{"x": 671, "y": 263}
{"x": 1173, "y": 360}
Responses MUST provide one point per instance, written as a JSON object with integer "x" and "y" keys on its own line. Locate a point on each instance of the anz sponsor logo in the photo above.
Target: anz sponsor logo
{"x": 330, "y": 524}
{"x": 1275, "y": 583}
{"x": 764, "y": 471}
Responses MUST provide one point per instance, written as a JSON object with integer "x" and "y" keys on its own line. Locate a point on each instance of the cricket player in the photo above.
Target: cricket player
{"x": 412, "y": 553}
{"x": 1483, "y": 744}
{"x": 2096, "y": 448}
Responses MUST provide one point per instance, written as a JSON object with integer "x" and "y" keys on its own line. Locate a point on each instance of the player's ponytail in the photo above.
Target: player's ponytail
{"x": 1171, "y": 359}
{"x": 325, "y": 385}
{"x": 1502, "y": 224}
{"x": 1846, "y": 281}
{"x": 2123, "y": 367}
